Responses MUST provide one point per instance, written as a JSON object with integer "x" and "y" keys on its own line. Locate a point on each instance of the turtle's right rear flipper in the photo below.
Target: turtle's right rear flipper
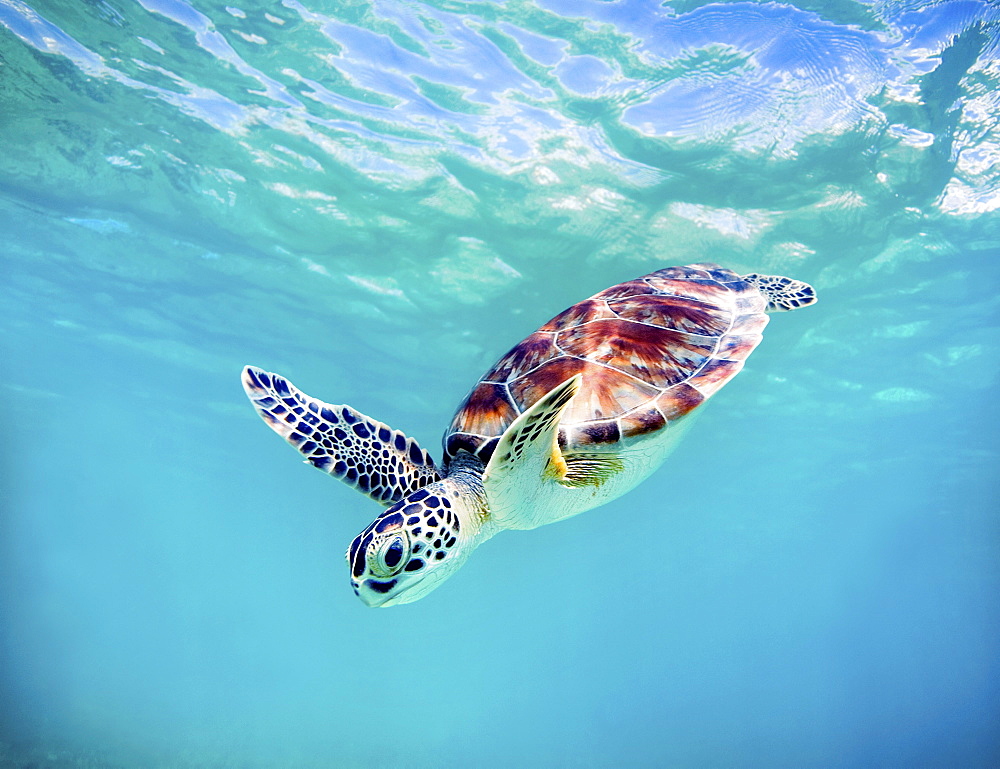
{"x": 782, "y": 293}
{"x": 368, "y": 455}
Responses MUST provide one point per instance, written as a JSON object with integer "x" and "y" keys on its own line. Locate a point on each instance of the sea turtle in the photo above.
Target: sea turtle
{"x": 575, "y": 415}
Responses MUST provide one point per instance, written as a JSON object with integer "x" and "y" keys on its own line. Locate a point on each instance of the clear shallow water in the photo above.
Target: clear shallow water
{"x": 378, "y": 199}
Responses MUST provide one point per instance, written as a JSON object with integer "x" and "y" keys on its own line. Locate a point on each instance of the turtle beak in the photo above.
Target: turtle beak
{"x": 378, "y": 593}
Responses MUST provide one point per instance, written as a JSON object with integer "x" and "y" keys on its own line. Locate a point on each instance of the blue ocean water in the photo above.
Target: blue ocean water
{"x": 377, "y": 199}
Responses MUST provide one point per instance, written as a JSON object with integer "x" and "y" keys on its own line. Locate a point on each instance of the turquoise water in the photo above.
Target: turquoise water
{"x": 377, "y": 199}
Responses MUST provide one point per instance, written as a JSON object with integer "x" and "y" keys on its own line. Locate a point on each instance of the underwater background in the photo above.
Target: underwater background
{"x": 377, "y": 199}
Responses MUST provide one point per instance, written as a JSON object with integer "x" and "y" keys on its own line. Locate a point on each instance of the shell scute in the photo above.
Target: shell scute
{"x": 737, "y": 346}
{"x": 714, "y": 374}
{"x": 597, "y": 432}
{"x": 751, "y": 323}
{"x": 700, "y": 289}
{"x": 535, "y": 349}
{"x": 659, "y": 356}
{"x": 699, "y": 271}
{"x": 721, "y": 274}
{"x": 673, "y": 312}
{"x": 487, "y": 410}
{"x": 529, "y": 388}
{"x": 602, "y": 394}
{"x": 582, "y": 312}
{"x": 642, "y": 421}
{"x": 749, "y": 303}
{"x": 678, "y": 401}
{"x": 637, "y": 287}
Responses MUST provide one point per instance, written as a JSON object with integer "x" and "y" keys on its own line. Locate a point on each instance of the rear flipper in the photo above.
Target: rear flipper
{"x": 368, "y": 455}
{"x": 782, "y": 293}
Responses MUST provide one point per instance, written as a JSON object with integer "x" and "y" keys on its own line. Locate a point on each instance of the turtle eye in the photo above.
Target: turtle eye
{"x": 390, "y": 556}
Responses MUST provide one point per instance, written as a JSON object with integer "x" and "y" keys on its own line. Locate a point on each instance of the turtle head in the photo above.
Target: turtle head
{"x": 411, "y": 548}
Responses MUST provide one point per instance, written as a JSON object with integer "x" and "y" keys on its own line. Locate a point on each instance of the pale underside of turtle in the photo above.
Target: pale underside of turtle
{"x": 575, "y": 415}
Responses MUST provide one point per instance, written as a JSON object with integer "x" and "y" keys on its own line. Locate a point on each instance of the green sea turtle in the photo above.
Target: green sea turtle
{"x": 575, "y": 415}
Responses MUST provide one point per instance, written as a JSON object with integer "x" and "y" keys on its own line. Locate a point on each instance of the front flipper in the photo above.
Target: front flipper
{"x": 526, "y": 457}
{"x": 368, "y": 455}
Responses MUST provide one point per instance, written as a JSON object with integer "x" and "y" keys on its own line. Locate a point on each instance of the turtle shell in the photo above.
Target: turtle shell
{"x": 650, "y": 350}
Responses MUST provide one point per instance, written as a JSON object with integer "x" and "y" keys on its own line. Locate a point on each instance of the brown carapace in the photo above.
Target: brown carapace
{"x": 650, "y": 350}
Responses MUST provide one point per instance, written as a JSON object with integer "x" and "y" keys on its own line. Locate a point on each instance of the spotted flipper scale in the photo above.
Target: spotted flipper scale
{"x": 782, "y": 293}
{"x": 365, "y": 454}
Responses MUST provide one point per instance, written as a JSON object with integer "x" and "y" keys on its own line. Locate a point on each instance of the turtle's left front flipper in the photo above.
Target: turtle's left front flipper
{"x": 527, "y": 456}
{"x": 368, "y": 455}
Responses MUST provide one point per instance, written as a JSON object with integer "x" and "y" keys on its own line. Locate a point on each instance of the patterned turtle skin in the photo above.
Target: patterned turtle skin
{"x": 649, "y": 350}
